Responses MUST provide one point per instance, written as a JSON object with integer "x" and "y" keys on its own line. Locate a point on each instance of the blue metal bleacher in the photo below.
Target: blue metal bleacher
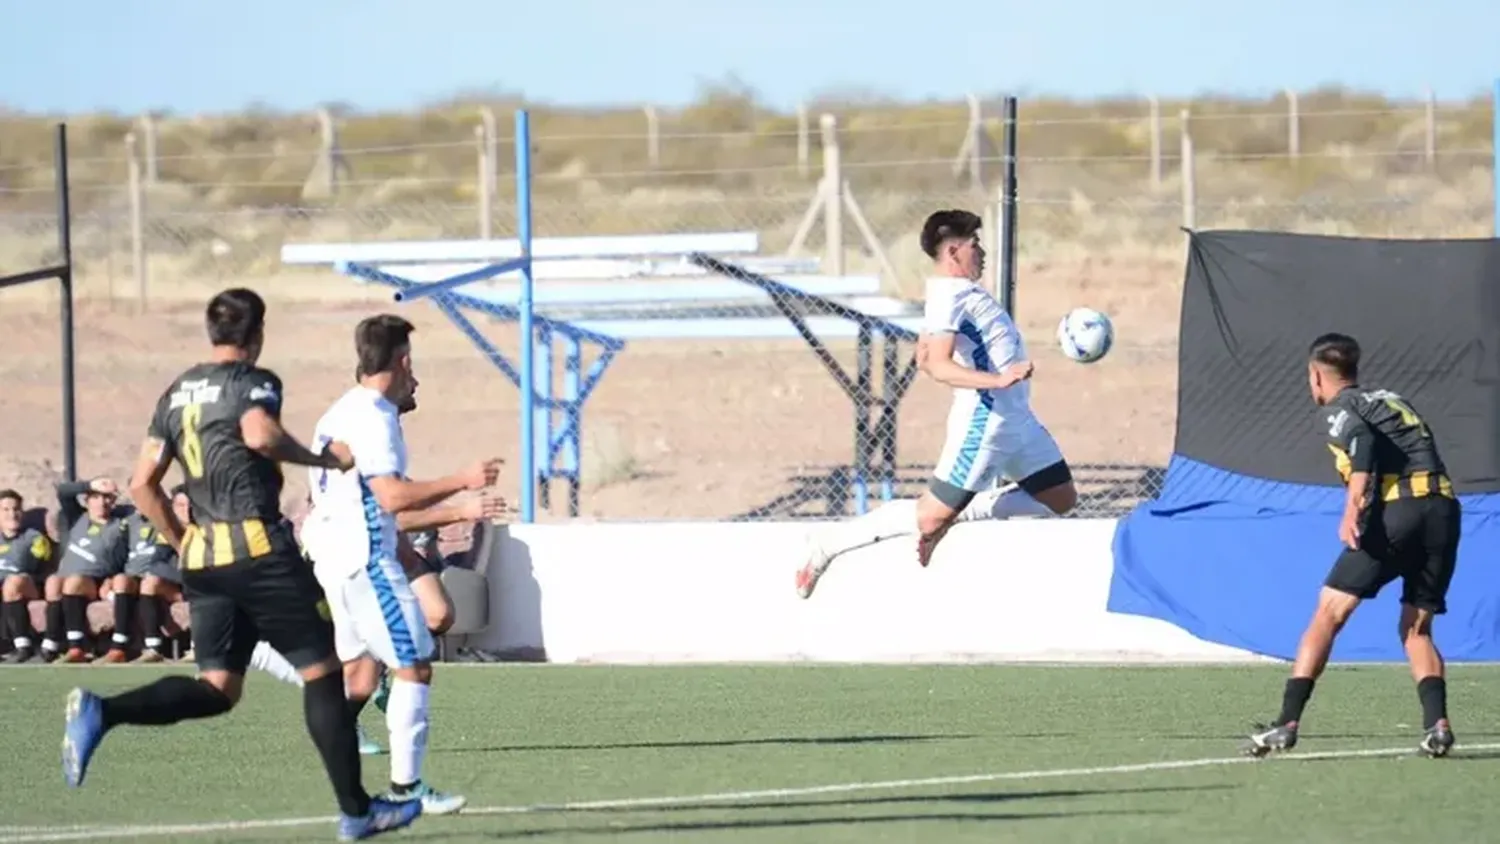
{"x": 603, "y": 292}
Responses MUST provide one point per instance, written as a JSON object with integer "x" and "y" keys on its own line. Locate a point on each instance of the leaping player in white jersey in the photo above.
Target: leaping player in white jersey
{"x": 971, "y": 344}
{"x": 351, "y": 536}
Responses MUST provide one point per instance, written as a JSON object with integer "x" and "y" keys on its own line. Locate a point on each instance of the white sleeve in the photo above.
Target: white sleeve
{"x": 376, "y": 442}
{"x": 944, "y": 310}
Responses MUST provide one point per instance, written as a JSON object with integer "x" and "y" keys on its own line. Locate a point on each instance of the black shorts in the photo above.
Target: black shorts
{"x": 92, "y": 571}
{"x": 1415, "y": 539}
{"x": 275, "y": 599}
{"x": 957, "y": 498}
{"x": 143, "y": 567}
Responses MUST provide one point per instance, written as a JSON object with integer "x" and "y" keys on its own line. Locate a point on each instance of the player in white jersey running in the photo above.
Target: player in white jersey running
{"x": 365, "y": 679}
{"x": 351, "y": 536}
{"x": 998, "y": 461}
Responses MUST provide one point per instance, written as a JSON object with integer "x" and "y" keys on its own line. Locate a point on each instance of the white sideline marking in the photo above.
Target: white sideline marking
{"x": 18, "y": 834}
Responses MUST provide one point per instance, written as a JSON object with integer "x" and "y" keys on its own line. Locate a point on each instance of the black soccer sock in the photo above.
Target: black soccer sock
{"x": 57, "y": 630}
{"x": 332, "y": 729}
{"x": 124, "y": 619}
{"x": 1433, "y": 692}
{"x": 356, "y": 707}
{"x": 8, "y": 628}
{"x": 151, "y": 613}
{"x": 1294, "y": 700}
{"x": 76, "y": 618}
{"x": 17, "y": 622}
{"x": 166, "y": 701}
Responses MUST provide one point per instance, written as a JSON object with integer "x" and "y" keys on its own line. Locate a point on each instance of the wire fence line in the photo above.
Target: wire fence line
{"x": 763, "y": 431}
{"x": 270, "y": 161}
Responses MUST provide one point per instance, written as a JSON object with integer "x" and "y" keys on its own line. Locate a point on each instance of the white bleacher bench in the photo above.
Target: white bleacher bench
{"x": 605, "y": 291}
{"x": 630, "y": 287}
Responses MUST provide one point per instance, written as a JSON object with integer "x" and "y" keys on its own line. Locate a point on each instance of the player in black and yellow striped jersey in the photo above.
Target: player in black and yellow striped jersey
{"x": 242, "y": 570}
{"x": 1401, "y": 519}
{"x": 25, "y": 553}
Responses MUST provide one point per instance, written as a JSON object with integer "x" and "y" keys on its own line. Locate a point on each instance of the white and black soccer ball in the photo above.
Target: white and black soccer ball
{"x": 1085, "y": 335}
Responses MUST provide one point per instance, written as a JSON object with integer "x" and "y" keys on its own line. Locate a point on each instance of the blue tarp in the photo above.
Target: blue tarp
{"x": 1236, "y": 546}
{"x": 1239, "y": 561}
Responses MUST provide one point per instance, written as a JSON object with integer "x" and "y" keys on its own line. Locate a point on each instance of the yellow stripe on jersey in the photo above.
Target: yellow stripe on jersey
{"x": 193, "y": 551}
{"x": 257, "y": 542}
{"x": 223, "y": 544}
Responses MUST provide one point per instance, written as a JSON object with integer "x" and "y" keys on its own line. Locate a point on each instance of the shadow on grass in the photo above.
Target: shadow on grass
{"x": 831, "y": 741}
{"x": 812, "y": 802}
{"x": 784, "y": 823}
{"x": 916, "y": 802}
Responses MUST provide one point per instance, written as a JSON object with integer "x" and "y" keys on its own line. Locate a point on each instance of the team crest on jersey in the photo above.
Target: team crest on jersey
{"x": 265, "y": 392}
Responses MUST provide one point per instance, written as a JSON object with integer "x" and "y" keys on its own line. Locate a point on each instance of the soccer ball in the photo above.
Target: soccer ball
{"x": 1085, "y": 335}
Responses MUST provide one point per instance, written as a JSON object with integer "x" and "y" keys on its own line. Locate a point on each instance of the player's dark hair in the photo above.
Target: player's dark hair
{"x": 12, "y": 495}
{"x": 235, "y": 317}
{"x": 942, "y": 225}
{"x": 180, "y": 489}
{"x": 1338, "y": 352}
{"x": 378, "y": 339}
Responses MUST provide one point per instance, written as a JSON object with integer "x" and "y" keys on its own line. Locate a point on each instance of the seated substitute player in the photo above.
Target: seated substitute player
{"x": 241, "y": 569}
{"x": 152, "y": 577}
{"x": 1401, "y": 520}
{"x": 352, "y": 538}
{"x": 970, "y": 344}
{"x": 94, "y": 550}
{"x": 25, "y": 554}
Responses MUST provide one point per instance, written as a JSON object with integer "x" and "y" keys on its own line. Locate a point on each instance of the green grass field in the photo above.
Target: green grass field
{"x": 796, "y": 753}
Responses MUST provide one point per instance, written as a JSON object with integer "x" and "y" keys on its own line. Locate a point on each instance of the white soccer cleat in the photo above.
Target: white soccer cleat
{"x": 434, "y": 802}
{"x": 817, "y": 563}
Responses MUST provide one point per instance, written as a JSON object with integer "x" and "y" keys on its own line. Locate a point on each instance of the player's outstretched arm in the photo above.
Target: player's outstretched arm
{"x": 396, "y": 494}
{"x": 263, "y": 433}
{"x": 935, "y": 357}
{"x": 486, "y": 508}
{"x": 147, "y": 493}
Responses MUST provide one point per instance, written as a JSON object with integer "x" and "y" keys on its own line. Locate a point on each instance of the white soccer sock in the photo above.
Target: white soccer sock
{"x": 888, "y": 521}
{"x": 406, "y": 716}
{"x": 267, "y": 659}
{"x": 1003, "y": 504}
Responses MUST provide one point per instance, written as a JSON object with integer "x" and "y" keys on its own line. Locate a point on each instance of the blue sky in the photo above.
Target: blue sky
{"x": 214, "y": 55}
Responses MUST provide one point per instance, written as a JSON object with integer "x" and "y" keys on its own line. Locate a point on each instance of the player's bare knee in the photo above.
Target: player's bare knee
{"x": 437, "y": 606}
{"x": 420, "y": 672}
{"x": 77, "y": 586}
{"x": 319, "y": 670}
{"x": 13, "y": 587}
{"x": 1335, "y": 608}
{"x": 361, "y": 676}
{"x": 439, "y": 614}
{"x": 124, "y": 584}
{"x": 52, "y": 588}
{"x": 1060, "y": 499}
{"x": 230, "y": 685}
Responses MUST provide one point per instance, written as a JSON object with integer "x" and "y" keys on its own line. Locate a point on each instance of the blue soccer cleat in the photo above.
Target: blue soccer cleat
{"x": 83, "y": 730}
{"x": 384, "y": 816}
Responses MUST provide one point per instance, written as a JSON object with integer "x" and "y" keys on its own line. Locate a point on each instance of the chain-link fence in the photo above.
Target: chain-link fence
{"x": 715, "y": 408}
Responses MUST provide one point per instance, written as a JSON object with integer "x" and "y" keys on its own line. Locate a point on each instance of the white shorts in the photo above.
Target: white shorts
{"x": 981, "y": 457}
{"x": 375, "y": 612}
